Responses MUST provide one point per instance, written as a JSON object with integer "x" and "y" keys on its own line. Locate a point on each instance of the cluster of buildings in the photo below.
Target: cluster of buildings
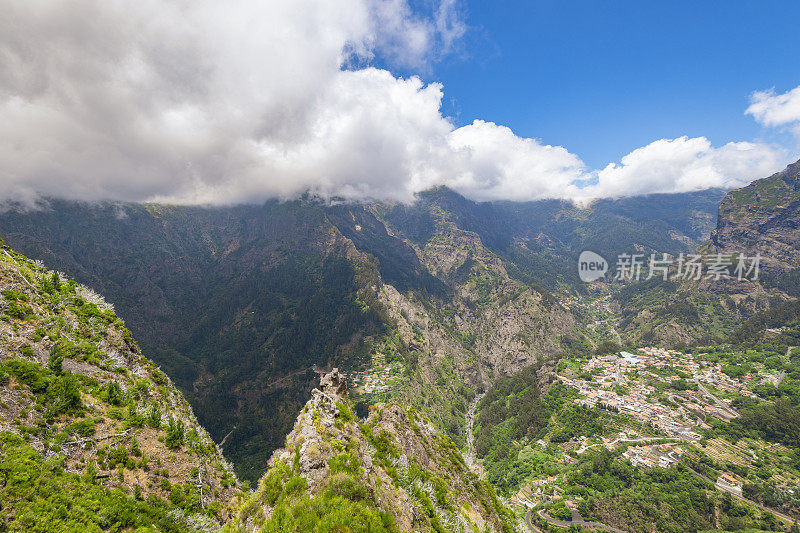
{"x": 648, "y": 456}
{"x": 539, "y": 491}
{"x": 632, "y": 384}
{"x": 374, "y": 380}
{"x": 634, "y": 401}
{"x": 623, "y": 382}
{"x": 660, "y": 353}
{"x": 714, "y": 376}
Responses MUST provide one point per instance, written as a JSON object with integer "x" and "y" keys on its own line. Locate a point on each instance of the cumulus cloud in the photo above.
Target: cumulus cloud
{"x": 685, "y": 164}
{"x": 198, "y": 101}
{"x": 771, "y": 109}
{"x": 491, "y": 163}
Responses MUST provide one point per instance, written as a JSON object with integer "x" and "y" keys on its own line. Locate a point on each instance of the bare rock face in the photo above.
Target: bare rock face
{"x": 764, "y": 218}
{"x": 333, "y": 383}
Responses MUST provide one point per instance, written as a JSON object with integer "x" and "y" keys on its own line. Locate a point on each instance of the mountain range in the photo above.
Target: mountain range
{"x": 424, "y": 306}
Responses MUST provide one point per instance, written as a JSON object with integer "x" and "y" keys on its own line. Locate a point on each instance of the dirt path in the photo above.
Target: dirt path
{"x": 221, "y": 444}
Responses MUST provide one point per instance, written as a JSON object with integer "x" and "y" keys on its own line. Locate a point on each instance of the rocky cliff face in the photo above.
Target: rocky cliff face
{"x": 764, "y": 218}
{"x": 761, "y": 218}
{"x": 393, "y": 471}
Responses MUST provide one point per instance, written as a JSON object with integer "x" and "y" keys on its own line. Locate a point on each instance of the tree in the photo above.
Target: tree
{"x": 175, "y": 434}
{"x": 607, "y": 347}
{"x": 67, "y": 394}
{"x": 55, "y": 360}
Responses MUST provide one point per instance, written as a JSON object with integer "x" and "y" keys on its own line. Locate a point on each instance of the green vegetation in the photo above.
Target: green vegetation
{"x": 350, "y": 497}
{"x": 55, "y": 394}
{"x": 345, "y": 502}
{"x": 513, "y": 412}
{"x": 37, "y": 495}
{"x": 85, "y": 406}
{"x": 637, "y": 499}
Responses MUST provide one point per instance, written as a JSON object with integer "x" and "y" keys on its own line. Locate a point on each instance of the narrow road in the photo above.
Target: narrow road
{"x": 469, "y": 458}
{"x": 583, "y": 447}
{"x": 564, "y": 523}
{"x": 723, "y": 489}
{"x": 221, "y": 444}
{"x": 282, "y": 379}
{"x": 717, "y": 401}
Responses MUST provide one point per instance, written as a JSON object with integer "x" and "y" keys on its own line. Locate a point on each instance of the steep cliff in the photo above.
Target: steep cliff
{"x": 764, "y": 218}
{"x": 393, "y": 471}
{"x": 92, "y": 434}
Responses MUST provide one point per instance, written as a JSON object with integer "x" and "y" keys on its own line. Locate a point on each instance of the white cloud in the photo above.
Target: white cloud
{"x": 494, "y": 164}
{"x": 686, "y": 164}
{"x": 772, "y": 109}
{"x": 199, "y": 101}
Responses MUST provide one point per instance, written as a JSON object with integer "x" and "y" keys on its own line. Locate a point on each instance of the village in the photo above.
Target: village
{"x": 380, "y": 378}
{"x": 665, "y": 389}
{"x": 671, "y": 392}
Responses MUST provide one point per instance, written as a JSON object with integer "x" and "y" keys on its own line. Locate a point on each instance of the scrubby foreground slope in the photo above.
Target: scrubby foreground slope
{"x": 392, "y": 472}
{"x": 92, "y": 435}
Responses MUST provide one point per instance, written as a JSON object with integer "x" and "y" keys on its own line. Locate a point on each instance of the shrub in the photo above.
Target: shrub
{"x": 52, "y": 284}
{"x": 114, "y": 393}
{"x": 154, "y": 418}
{"x": 18, "y": 310}
{"x": 31, "y": 374}
{"x": 133, "y": 418}
{"x": 83, "y": 428}
{"x": 159, "y": 378}
{"x": 175, "y": 434}
{"x": 12, "y": 295}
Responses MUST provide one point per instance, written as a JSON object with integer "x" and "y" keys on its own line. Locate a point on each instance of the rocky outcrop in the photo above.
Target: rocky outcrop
{"x": 397, "y": 466}
{"x": 763, "y": 218}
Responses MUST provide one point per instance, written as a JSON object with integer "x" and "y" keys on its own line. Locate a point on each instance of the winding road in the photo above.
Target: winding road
{"x": 724, "y": 489}
{"x": 563, "y": 523}
{"x": 719, "y": 403}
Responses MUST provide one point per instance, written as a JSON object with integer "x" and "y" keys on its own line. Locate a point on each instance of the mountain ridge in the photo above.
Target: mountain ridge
{"x": 88, "y": 422}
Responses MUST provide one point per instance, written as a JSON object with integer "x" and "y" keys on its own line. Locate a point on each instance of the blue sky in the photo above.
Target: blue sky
{"x": 603, "y": 78}
{"x": 212, "y": 102}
